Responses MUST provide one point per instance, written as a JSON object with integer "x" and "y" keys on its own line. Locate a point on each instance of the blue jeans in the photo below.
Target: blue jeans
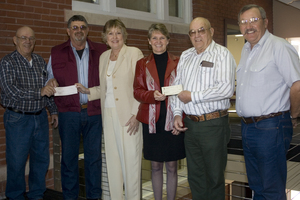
{"x": 26, "y": 134}
{"x": 265, "y": 145}
{"x": 71, "y": 126}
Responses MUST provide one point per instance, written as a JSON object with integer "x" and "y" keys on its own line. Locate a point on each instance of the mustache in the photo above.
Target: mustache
{"x": 79, "y": 33}
{"x": 249, "y": 30}
{"x": 79, "y": 36}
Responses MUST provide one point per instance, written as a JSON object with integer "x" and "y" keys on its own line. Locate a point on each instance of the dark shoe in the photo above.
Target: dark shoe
{"x": 93, "y": 199}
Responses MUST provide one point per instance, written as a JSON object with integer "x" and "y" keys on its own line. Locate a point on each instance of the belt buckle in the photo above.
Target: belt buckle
{"x": 194, "y": 118}
{"x": 84, "y": 106}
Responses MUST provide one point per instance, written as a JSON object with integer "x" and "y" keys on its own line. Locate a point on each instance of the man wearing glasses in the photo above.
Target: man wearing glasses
{"x": 24, "y": 95}
{"x": 76, "y": 61}
{"x": 268, "y": 100}
{"x": 206, "y": 72}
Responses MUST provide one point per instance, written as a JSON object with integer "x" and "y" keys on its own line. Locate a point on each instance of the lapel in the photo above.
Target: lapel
{"x": 120, "y": 59}
{"x": 104, "y": 63}
{"x": 171, "y": 65}
{"x": 151, "y": 66}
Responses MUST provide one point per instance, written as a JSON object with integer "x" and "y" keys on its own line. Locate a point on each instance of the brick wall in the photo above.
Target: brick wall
{"x": 46, "y": 18}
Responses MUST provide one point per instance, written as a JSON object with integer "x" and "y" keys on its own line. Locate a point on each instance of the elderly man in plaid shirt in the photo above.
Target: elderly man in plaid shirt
{"x": 23, "y": 75}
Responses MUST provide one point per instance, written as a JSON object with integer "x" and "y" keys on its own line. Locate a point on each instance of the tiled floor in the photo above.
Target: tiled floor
{"x": 234, "y": 147}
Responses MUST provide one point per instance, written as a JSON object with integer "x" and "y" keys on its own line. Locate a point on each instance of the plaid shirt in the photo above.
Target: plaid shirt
{"x": 21, "y": 83}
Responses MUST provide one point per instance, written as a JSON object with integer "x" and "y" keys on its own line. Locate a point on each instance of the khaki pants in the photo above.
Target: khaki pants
{"x": 123, "y": 156}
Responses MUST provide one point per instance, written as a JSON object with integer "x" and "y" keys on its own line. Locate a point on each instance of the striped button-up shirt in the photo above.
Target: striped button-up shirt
{"x": 21, "y": 82}
{"x": 210, "y": 87}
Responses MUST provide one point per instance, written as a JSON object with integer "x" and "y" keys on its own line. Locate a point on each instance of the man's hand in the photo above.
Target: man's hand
{"x": 295, "y": 102}
{"x": 52, "y": 82}
{"x": 178, "y": 124}
{"x": 54, "y": 120}
{"x": 82, "y": 89}
{"x": 175, "y": 131}
{"x": 185, "y": 96}
{"x": 47, "y": 91}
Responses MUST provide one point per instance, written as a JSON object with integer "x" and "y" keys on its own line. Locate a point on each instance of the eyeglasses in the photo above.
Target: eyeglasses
{"x": 252, "y": 20}
{"x": 82, "y": 27}
{"x": 201, "y": 31}
{"x": 24, "y": 38}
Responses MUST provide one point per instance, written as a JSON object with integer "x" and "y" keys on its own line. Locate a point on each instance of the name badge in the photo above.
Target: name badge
{"x": 207, "y": 64}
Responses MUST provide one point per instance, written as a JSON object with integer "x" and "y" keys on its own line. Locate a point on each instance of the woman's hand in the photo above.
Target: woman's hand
{"x": 82, "y": 89}
{"x": 133, "y": 124}
{"x": 159, "y": 96}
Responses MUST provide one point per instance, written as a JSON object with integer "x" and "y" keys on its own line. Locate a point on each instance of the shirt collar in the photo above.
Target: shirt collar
{"x": 86, "y": 46}
{"x": 23, "y": 58}
{"x": 210, "y": 48}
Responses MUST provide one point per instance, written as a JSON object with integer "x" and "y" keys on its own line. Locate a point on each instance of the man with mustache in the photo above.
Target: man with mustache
{"x": 206, "y": 72}
{"x": 268, "y": 100}
{"x": 76, "y": 61}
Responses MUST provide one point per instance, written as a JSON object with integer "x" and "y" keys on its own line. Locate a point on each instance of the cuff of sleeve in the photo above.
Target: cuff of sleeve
{"x": 177, "y": 112}
{"x": 54, "y": 113}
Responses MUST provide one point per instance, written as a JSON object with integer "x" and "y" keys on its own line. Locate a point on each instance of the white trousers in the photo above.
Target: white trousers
{"x": 123, "y": 157}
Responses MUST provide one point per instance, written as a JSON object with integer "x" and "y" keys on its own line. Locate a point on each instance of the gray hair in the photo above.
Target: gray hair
{"x": 248, "y": 7}
{"x": 76, "y": 18}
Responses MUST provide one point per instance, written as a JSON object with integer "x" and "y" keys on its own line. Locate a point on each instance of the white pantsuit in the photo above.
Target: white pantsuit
{"x": 123, "y": 151}
{"x": 123, "y": 157}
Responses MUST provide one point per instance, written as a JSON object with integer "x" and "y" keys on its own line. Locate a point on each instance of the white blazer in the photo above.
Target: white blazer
{"x": 123, "y": 77}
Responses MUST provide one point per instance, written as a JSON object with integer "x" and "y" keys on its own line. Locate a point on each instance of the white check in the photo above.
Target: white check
{"x": 64, "y": 91}
{"x": 171, "y": 90}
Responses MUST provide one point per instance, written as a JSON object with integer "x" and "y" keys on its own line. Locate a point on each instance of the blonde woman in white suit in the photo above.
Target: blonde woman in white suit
{"x": 122, "y": 132}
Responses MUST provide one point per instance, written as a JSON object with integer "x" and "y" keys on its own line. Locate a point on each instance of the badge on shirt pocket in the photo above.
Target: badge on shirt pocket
{"x": 206, "y": 64}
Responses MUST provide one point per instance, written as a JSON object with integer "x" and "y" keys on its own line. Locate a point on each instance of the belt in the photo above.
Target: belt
{"x": 83, "y": 106}
{"x": 208, "y": 116}
{"x": 25, "y": 113}
{"x": 250, "y": 120}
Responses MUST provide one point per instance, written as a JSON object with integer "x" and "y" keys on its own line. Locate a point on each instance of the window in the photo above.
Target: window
{"x": 171, "y": 11}
{"x": 89, "y": 1}
{"x": 175, "y": 8}
{"x": 144, "y": 5}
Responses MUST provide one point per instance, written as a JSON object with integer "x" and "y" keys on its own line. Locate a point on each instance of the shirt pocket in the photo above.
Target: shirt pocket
{"x": 258, "y": 74}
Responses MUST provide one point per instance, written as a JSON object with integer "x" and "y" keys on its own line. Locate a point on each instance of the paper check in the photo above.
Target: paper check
{"x": 171, "y": 90}
{"x": 64, "y": 91}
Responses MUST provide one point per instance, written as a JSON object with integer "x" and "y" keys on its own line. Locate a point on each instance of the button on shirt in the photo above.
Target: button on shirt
{"x": 265, "y": 75}
{"x": 210, "y": 87}
{"x": 82, "y": 69}
{"x": 21, "y": 82}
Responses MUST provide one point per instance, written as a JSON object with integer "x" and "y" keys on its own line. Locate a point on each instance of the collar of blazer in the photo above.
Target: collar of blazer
{"x": 119, "y": 59}
{"x": 171, "y": 65}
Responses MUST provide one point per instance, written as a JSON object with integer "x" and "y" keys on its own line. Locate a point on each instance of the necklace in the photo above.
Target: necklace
{"x": 114, "y": 56}
{"x": 111, "y": 68}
